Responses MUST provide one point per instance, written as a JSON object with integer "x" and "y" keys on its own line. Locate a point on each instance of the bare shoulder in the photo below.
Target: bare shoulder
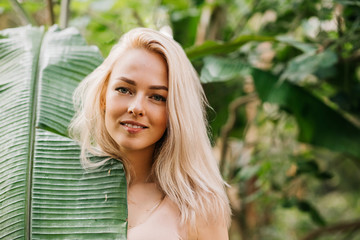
{"x": 210, "y": 230}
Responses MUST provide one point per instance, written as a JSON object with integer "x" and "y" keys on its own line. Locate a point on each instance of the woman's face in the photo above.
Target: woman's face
{"x": 135, "y": 111}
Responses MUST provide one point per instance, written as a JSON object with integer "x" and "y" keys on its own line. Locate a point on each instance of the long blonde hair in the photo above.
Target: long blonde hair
{"x": 184, "y": 166}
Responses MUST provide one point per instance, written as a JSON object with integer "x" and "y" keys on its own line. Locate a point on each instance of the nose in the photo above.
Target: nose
{"x": 136, "y": 107}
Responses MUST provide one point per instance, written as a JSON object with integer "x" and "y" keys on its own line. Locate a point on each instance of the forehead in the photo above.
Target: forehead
{"x": 140, "y": 64}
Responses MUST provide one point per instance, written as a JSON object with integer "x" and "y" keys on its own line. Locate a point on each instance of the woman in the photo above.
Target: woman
{"x": 145, "y": 106}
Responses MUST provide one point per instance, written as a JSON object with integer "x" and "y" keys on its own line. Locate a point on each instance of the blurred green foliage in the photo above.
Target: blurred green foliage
{"x": 292, "y": 155}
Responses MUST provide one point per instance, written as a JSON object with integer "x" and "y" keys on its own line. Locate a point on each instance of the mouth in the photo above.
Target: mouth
{"x": 133, "y": 125}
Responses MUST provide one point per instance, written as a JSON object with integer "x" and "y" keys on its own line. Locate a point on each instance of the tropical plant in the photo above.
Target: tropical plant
{"x": 308, "y": 88}
{"x": 44, "y": 191}
{"x": 287, "y": 136}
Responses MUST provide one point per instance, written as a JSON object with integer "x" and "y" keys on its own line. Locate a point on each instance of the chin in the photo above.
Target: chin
{"x": 134, "y": 146}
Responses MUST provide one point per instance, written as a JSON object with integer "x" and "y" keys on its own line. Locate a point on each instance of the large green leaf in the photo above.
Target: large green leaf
{"x": 222, "y": 80}
{"x": 44, "y": 192}
{"x": 300, "y": 67}
{"x": 218, "y": 69}
{"x": 212, "y": 47}
{"x": 318, "y": 123}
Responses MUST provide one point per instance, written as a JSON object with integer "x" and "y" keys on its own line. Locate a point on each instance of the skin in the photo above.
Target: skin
{"x": 212, "y": 231}
{"x": 136, "y": 118}
{"x": 136, "y": 97}
{"x": 135, "y": 112}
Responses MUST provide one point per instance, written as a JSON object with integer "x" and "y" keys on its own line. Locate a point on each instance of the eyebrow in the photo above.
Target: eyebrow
{"x": 132, "y": 82}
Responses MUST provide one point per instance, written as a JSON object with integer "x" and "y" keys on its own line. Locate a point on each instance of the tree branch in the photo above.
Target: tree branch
{"x": 204, "y": 22}
{"x": 50, "y": 10}
{"x": 64, "y": 14}
{"x": 225, "y": 130}
{"x": 138, "y": 18}
{"x": 338, "y": 227}
{"x": 21, "y": 13}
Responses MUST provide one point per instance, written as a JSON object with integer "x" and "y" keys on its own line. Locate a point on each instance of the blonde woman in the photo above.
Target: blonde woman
{"x": 145, "y": 106}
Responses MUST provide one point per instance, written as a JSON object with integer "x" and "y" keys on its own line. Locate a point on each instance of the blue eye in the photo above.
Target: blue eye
{"x": 123, "y": 90}
{"x": 159, "y": 98}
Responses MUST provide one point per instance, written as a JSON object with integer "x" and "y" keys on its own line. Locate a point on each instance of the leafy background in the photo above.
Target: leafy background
{"x": 283, "y": 79}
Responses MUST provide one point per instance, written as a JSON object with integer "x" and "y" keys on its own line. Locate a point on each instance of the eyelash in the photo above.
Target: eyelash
{"x": 156, "y": 97}
{"x": 159, "y": 97}
{"x": 123, "y": 90}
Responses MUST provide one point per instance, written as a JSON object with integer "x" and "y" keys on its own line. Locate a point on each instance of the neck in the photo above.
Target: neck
{"x": 141, "y": 164}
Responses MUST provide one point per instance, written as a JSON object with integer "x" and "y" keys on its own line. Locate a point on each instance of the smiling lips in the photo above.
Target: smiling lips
{"x": 133, "y": 127}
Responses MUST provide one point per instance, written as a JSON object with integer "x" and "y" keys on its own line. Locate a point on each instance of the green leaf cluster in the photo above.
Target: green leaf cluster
{"x": 45, "y": 192}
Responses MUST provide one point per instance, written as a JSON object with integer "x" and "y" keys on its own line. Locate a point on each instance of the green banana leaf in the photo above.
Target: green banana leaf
{"x": 44, "y": 192}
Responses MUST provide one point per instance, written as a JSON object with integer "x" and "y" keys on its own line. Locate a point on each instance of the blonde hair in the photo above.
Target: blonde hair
{"x": 184, "y": 166}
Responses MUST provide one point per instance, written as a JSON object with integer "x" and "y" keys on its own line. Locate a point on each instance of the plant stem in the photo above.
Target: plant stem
{"x": 64, "y": 13}
{"x": 50, "y": 12}
{"x": 225, "y": 131}
{"x": 21, "y": 13}
{"x": 204, "y": 22}
{"x": 339, "y": 227}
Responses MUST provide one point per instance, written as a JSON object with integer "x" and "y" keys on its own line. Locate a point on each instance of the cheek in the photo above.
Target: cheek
{"x": 112, "y": 108}
{"x": 113, "y": 103}
{"x": 158, "y": 117}
{"x": 163, "y": 119}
